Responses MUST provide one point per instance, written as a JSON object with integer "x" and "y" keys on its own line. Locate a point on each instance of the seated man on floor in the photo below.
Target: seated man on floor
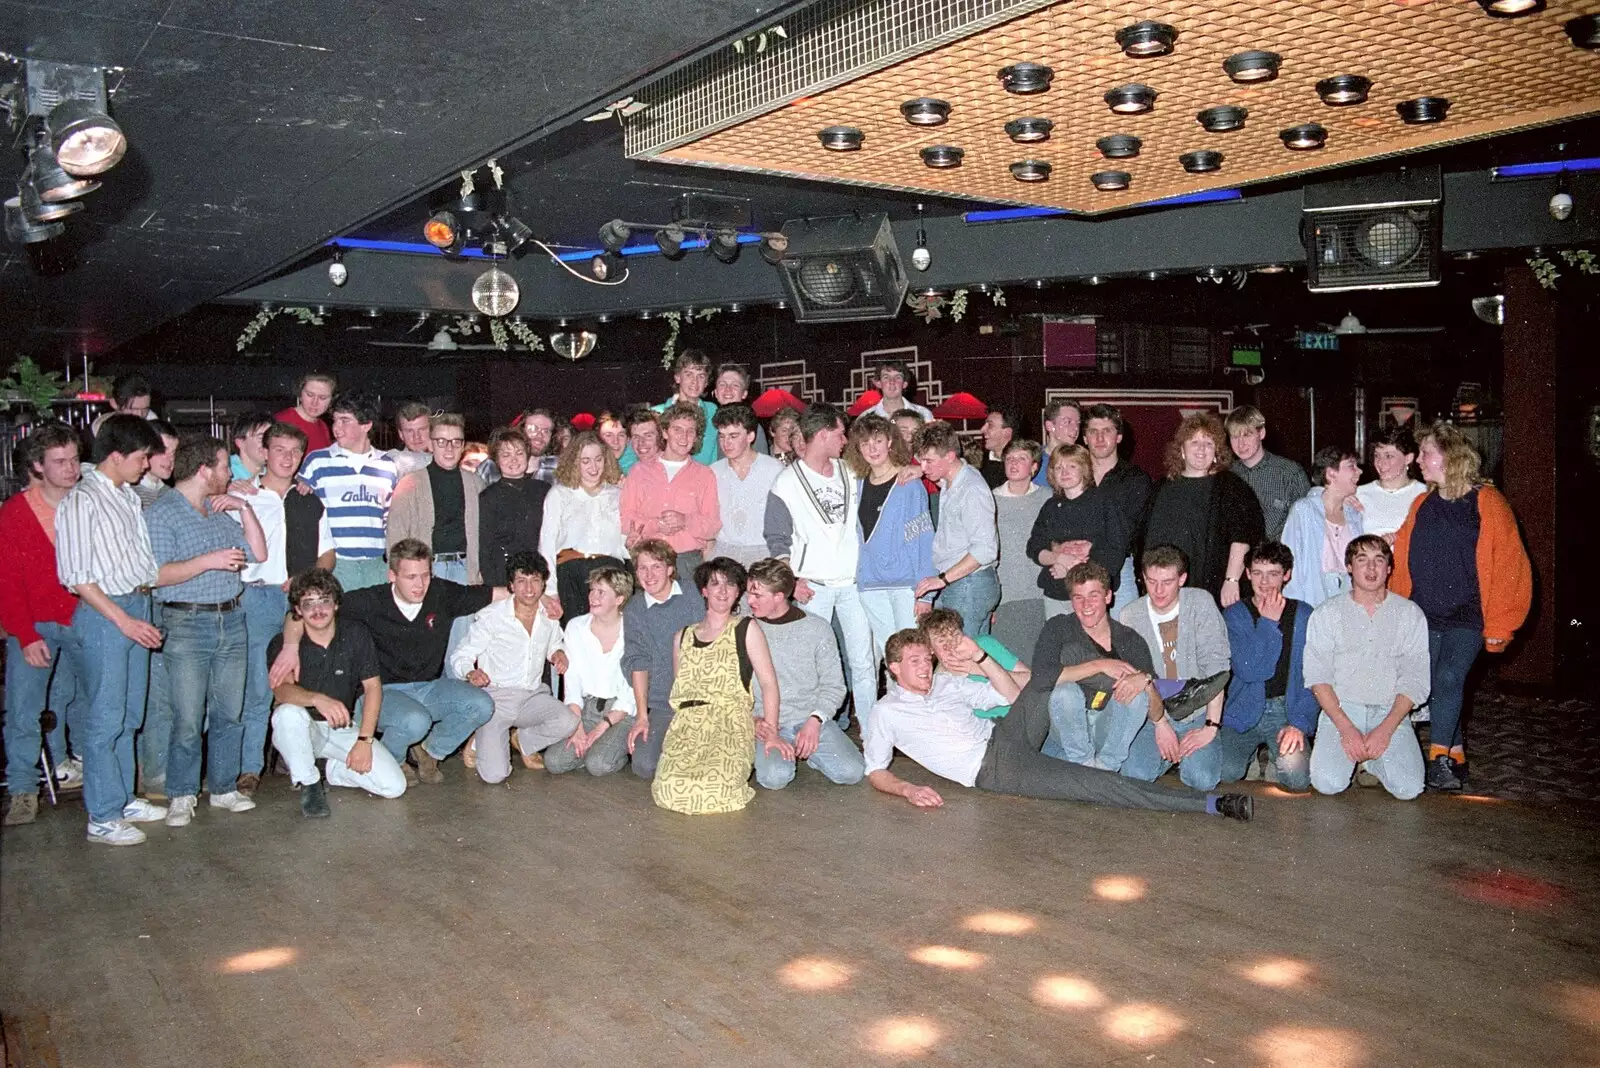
{"x": 928, "y": 716}
{"x": 653, "y": 620}
{"x": 1268, "y": 701}
{"x": 316, "y": 721}
{"x": 1188, "y": 644}
{"x": 505, "y": 650}
{"x": 805, "y": 658}
{"x": 944, "y": 630}
{"x": 1366, "y": 661}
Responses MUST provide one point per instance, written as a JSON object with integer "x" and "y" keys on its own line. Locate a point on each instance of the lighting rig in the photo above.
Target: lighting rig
{"x": 69, "y": 137}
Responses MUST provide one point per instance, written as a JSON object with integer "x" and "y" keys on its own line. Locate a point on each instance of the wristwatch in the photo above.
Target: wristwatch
{"x": 364, "y": 738}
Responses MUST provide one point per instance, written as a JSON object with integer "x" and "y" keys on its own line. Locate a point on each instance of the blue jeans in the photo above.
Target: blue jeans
{"x": 205, "y": 655}
{"x": 441, "y": 714}
{"x": 155, "y": 737}
{"x": 1127, "y": 584}
{"x": 1451, "y": 654}
{"x": 844, "y": 602}
{"x": 115, "y": 673}
{"x": 354, "y": 574}
{"x": 974, "y": 597}
{"x": 888, "y": 610}
{"x": 836, "y": 757}
{"x": 1239, "y": 748}
{"x": 31, "y": 690}
{"x": 451, "y": 570}
{"x": 1094, "y": 739}
{"x": 1200, "y": 770}
{"x": 264, "y": 609}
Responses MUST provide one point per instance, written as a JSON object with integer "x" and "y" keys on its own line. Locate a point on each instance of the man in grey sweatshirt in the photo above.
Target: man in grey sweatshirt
{"x": 810, "y": 684}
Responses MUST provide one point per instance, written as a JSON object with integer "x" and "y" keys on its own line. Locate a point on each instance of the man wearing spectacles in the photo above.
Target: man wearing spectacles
{"x": 438, "y": 505}
{"x": 329, "y": 716}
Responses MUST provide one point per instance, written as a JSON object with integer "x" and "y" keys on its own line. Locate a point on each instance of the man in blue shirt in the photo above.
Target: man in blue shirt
{"x": 356, "y": 483}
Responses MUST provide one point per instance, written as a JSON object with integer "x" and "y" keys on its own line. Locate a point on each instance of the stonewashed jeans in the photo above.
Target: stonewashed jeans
{"x": 1096, "y": 739}
{"x": 1239, "y": 748}
{"x": 441, "y": 714}
{"x": 861, "y": 668}
{"x": 888, "y": 610}
{"x": 1400, "y": 768}
{"x": 31, "y": 690}
{"x": 264, "y": 609}
{"x": 115, "y": 673}
{"x": 973, "y": 597}
{"x": 836, "y": 757}
{"x": 1201, "y": 769}
{"x": 205, "y": 659}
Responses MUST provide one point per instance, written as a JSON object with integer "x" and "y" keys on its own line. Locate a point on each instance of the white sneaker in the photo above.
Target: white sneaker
{"x": 141, "y": 811}
{"x": 181, "y": 811}
{"x": 69, "y": 774}
{"x": 114, "y": 832}
{"x": 233, "y": 801}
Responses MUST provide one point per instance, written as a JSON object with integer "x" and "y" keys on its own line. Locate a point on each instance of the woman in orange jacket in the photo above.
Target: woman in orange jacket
{"x": 1460, "y": 558}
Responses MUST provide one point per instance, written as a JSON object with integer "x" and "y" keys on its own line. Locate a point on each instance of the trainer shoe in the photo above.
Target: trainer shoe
{"x": 24, "y": 809}
{"x": 314, "y": 801}
{"x": 247, "y": 783}
{"x": 410, "y": 773}
{"x": 141, "y": 811}
{"x": 427, "y": 765}
{"x": 233, "y": 801}
{"x": 69, "y": 774}
{"x": 181, "y": 811}
{"x": 1441, "y": 775}
{"x": 1196, "y": 694}
{"x": 1366, "y": 778}
{"x": 1240, "y": 807}
{"x": 114, "y": 832}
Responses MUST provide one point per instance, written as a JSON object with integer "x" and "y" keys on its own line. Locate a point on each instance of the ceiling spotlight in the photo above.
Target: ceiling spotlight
{"x": 1093, "y": 280}
{"x": 1153, "y": 276}
{"x": 1252, "y": 66}
{"x": 574, "y": 346}
{"x": 1304, "y": 137}
{"x": 1030, "y": 170}
{"x": 1025, "y": 78}
{"x": 1342, "y": 90}
{"x": 1145, "y": 39}
{"x": 1491, "y": 310}
{"x": 1423, "y": 109}
{"x": 1027, "y": 131}
{"x": 23, "y": 231}
{"x": 669, "y": 240}
{"x": 1131, "y": 99}
{"x": 1584, "y": 31}
{"x": 514, "y": 233}
{"x": 443, "y": 232}
{"x": 725, "y": 245}
{"x": 773, "y": 247}
{"x": 606, "y": 267}
{"x": 1224, "y": 118}
{"x": 941, "y": 157}
{"x": 338, "y": 273}
{"x": 840, "y": 138}
{"x": 1119, "y": 146}
{"x": 615, "y": 234}
{"x": 1510, "y": 9}
{"x": 1350, "y": 324}
{"x": 495, "y": 292}
{"x": 647, "y": 314}
{"x": 1272, "y": 268}
{"x": 37, "y": 210}
{"x": 86, "y": 140}
{"x": 921, "y": 258}
{"x": 925, "y": 111}
{"x": 1201, "y": 161}
{"x": 1111, "y": 181}
{"x": 45, "y": 174}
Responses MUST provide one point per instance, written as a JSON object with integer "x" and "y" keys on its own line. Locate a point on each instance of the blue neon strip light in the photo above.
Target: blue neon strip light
{"x": 422, "y": 248}
{"x": 1555, "y": 166}
{"x": 1205, "y": 196}
{"x": 988, "y": 215}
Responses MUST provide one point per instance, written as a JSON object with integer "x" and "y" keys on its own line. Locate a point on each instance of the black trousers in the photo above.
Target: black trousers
{"x": 572, "y": 584}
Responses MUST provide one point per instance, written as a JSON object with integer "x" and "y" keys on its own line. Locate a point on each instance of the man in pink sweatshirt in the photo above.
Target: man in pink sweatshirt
{"x": 667, "y": 494}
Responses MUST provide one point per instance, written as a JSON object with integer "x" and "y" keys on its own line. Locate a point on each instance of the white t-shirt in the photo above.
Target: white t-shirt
{"x": 938, "y": 731}
{"x": 673, "y": 467}
{"x": 1384, "y": 511}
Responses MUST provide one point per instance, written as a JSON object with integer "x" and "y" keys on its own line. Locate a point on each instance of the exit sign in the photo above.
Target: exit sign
{"x": 1317, "y": 342}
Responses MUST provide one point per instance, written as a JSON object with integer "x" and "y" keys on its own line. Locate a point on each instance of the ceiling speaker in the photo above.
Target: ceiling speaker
{"x": 843, "y": 269}
{"x": 1374, "y": 232}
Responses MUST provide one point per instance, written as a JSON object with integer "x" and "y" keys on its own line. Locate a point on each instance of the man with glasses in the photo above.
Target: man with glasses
{"x": 539, "y": 426}
{"x": 438, "y": 505}
{"x": 356, "y": 483}
{"x": 330, "y": 716}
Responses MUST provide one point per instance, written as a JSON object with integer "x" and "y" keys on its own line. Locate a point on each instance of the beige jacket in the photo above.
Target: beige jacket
{"x": 411, "y": 514}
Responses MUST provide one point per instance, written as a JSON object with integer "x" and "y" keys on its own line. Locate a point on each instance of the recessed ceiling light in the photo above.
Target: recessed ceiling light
{"x": 1154, "y": 276}
{"x": 1342, "y": 90}
{"x": 1119, "y": 146}
{"x": 1026, "y": 131}
{"x": 1423, "y": 109}
{"x": 1305, "y": 136}
{"x": 1024, "y": 78}
{"x": 1510, "y": 9}
{"x": 1252, "y": 66}
{"x": 1131, "y": 99}
{"x": 925, "y": 111}
{"x": 942, "y": 156}
{"x": 1111, "y": 181}
{"x": 1223, "y": 118}
{"x": 1271, "y": 268}
{"x": 1145, "y": 39}
{"x": 1030, "y": 170}
{"x": 1201, "y": 161}
{"x": 840, "y": 138}
{"x": 1584, "y": 31}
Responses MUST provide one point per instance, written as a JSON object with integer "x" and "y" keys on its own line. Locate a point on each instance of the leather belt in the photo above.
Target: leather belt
{"x": 190, "y": 606}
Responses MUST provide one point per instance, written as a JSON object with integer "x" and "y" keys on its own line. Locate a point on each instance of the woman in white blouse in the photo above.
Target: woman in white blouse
{"x": 582, "y": 528}
{"x": 1386, "y": 501}
{"x": 595, "y": 688}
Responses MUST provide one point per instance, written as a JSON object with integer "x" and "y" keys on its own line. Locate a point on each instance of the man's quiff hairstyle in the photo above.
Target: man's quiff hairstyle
{"x": 818, "y": 417}
{"x": 409, "y": 549}
{"x": 411, "y": 411}
{"x": 773, "y": 574}
{"x": 362, "y": 407}
{"x": 937, "y": 436}
{"x": 1108, "y": 412}
{"x": 249, "y": 423}
{"x": 455, "y": 419}
{"x": 659, "y": 549}
{"x": 1086, "y": 572}
{"x": 194, "y": 452}
{"x": 739, "y": 415}
{"x": 639, "y": 415}
{"x": 1053, "y": 409}
{"x": 900, "y": 640}
{"x": 1245, "y": 417}
{"x": 1164, "y": 556}
{"x": 691, "y": 358}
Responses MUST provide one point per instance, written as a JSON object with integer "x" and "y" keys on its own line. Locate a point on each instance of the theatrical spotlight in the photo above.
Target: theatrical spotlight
{"x": 724, "y": 245}
{"x": 45, "y": 175}
{"x": 615, "y": 234}
{"x": 773, "y": 247}
{"x": 443, "y": 232}
{"x": 84, "y": 137}
{"x": 23, "y": 231}
{"x": 607, "y": 266}
{"x": 669, "y": 239}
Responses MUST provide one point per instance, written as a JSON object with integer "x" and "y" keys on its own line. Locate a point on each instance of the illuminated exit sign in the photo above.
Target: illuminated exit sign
{"x": 1317, "y": 342}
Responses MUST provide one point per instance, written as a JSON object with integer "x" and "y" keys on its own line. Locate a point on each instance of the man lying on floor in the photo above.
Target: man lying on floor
{"x": 929, "y": 717}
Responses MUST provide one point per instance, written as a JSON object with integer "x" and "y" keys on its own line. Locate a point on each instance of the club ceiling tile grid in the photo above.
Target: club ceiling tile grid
{"x": 1499, "y": 75}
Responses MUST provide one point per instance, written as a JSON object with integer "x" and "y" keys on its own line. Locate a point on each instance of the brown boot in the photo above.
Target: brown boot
{"x": 427, "y": 767}
{"x": 247, "y": 783}
{"x": 24, "y": 809}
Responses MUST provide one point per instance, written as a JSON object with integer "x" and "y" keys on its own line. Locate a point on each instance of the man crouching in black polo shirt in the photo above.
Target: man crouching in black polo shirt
{"x": 315, "y": 720}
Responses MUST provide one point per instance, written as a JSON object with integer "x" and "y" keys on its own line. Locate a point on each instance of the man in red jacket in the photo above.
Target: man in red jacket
{"x": 36, "y": 612}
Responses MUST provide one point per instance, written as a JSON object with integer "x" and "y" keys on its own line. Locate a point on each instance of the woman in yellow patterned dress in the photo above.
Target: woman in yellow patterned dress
{"x": 709, "y": 750}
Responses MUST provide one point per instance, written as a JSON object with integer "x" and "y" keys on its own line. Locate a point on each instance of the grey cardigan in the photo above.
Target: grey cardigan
{"x": 1202, "y": 635}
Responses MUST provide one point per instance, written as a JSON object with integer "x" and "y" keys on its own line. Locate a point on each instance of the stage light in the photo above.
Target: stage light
{"x": 514, "y": 233}
{"x": 669, "y": 239}
{"x": 773, "y": 247}
{"x": 1028, "y": 131}
{"x": 46, "y": 176}
{"x": 925, "y": 111}
{"x": 1030, "y": 170}
{"x": 1304, "y": 137}
{"x": 1252, "y": 66}
{"x": 1224, "y": 118}
{"x": 614, "y": 234}
{"x": 1111, "y": 181}
{"x": 725, "y": 245}
{"x": 85, "y": 139}
{"x": 40, "y": 212}
{"x": 443, "y": 232}
{"x": 21, "y": 230}
{"x": 1423, "y": 109}
{"x": 495, "y": 293}
{"x": 1202, "y": 161}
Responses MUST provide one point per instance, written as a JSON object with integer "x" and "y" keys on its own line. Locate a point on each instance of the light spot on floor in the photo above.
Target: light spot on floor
{"x": 1291, "y": 1046}
{"x": 815, "y": 973}
{"x": 948, "y": 957}
{"x": 1001, "y": 923}
{"x": 1119, "y": 887}
{"x": 1278, "y": 972}
{"x": 903, "y": 1036}
{"x": 1067, "y": 992}
{"x": 258, "y": 960}
{"x": 1142, "y": 1024}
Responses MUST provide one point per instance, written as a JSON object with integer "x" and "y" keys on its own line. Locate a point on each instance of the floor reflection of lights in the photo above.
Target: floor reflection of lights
{"x": 1580, "y": 1004}
{"x": 1280, "y": 793}
{"x": 1289, "y": 1046}
{"x": 1142, "y": 1024}
{"x": 1001, "y": 923}
{"x": 903, "y": 1036}
{"x": 1277, "y": 972}
{"x": 815, "y": 973}
{"x": 1119, "y": 887}
{"x": 948, "y": 957}
{"x": 1067, "y": 992}
{"x": 1481, "y": 799}
{"x": 258, "y": 960}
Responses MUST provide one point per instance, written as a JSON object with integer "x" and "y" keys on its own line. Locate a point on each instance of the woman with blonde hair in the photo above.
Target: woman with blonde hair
{"x": 1460, "y": 558}
{"x": 784, "y": 428}
{"x": 582, "y": 525}
{"x": 896, "y": 530}
{"x": 1204, "y": 509}
{"x": 1078, "y": 524}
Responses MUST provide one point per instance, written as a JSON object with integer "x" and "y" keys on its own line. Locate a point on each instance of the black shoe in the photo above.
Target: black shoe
{"x": 1241, "y": 807}
{"x": 314, "y": 801}
{"x": 1196, "y": 694}
{"x": 1460, "y": 768}
{"x": 1440, "y": 775}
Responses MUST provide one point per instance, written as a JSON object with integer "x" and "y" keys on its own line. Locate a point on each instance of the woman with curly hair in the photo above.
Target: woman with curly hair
{"x": 1204, "y": 509}
{"x": 582, "y": 525}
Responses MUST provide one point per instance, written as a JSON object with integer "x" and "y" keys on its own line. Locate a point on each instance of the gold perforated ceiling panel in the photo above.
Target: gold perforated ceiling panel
{"x": 1498, "y": 74}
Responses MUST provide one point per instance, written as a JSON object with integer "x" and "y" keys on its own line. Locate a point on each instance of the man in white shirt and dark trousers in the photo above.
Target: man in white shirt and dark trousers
{"x": 813, "y": 523}
{"x": 504, "y": 652}
{"x": 966, "y": 540}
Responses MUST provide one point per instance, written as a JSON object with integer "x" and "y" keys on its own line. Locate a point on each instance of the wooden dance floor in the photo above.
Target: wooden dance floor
{"x": 569, "y": 922}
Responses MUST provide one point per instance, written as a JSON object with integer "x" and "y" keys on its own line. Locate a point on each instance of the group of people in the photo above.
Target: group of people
{"x": 685, "y": 590}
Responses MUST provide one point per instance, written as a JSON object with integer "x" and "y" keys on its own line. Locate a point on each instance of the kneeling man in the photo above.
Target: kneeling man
{"x": 316, "y": 717}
